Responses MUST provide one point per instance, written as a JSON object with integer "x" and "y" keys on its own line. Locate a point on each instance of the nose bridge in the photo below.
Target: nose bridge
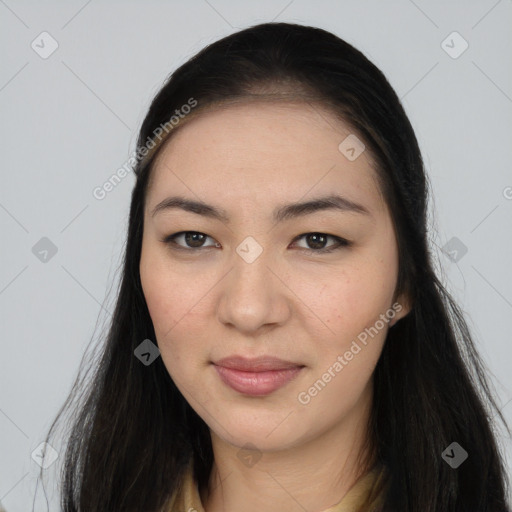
{"x": 251, "y": 263}
{"x": 251, "y": 275}
{"x": 252, "y": 295}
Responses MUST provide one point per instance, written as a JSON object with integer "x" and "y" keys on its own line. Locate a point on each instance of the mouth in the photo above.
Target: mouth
{"x": 258, "y": 376}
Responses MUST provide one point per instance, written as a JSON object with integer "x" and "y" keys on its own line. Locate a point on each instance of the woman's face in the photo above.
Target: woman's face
{"x": 248, "y": 279}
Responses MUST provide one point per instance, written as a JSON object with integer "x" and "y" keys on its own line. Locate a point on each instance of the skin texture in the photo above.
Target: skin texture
{"x": 308, "y": 308}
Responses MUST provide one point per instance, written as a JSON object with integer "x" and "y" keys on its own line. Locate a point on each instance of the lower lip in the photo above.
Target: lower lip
{"x": 256, "y": 383}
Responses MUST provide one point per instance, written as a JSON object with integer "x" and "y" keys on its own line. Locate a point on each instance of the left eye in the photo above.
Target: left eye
{"x": 195, "y": 239}
{"x": 320, "y": 238}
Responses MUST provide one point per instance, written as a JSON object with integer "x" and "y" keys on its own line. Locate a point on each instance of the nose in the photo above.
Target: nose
{"x": 254, "y": 296}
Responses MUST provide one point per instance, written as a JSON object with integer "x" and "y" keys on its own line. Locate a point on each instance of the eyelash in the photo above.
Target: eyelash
{"x": 340, "y": 242}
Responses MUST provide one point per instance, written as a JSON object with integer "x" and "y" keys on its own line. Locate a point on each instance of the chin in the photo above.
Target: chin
{"x": 265, "y": 437}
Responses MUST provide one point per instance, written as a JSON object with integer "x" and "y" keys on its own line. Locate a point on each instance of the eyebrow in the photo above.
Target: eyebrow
{"x": 280, "y": 214}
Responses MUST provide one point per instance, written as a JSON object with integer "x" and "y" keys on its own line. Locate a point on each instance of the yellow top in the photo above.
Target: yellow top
{"x": 364, "y": 496}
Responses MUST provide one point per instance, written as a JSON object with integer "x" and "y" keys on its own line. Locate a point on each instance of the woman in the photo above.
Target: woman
{"x": 277, "y": 255}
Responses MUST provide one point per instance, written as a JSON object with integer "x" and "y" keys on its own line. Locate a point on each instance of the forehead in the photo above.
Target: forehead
{"x": 268, "y": 149}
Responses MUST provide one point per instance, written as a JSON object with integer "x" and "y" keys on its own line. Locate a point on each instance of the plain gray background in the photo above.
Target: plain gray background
{"x": 71, "y": 119}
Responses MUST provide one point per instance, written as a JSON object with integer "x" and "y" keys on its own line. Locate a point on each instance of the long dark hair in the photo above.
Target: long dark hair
{"x": 133, "y": 432}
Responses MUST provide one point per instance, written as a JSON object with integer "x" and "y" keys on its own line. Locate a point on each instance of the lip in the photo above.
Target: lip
{"x": 256, "y": 364}
{"x": 257, "y": 376}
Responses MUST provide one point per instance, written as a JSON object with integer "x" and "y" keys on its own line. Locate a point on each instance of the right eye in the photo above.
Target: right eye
{"x": 194, "y": 238}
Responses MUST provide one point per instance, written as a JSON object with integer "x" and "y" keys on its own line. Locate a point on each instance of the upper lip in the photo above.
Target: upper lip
{"x": 256, "y": 364}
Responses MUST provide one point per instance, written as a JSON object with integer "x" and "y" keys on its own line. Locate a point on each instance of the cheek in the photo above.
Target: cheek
{"x": 160, "y": 291}
{"x": 346, "y": 357}
{"x": 355, "y": 298}
{"x": 351, "y": 305}
{"x": 176, "y": 311}
{"x": 170, "y": 295}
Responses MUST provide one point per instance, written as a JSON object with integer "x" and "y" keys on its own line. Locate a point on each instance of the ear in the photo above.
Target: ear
{"x": 402, "y": 306}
